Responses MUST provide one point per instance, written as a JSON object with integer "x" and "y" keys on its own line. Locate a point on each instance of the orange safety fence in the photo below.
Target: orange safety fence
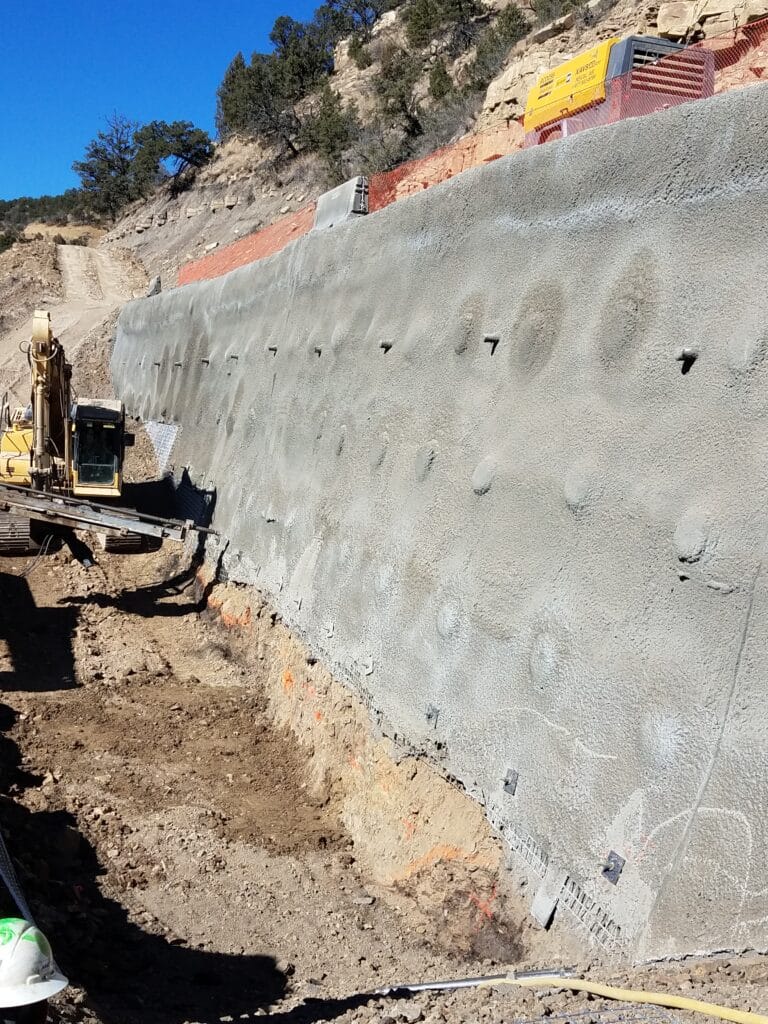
{"x": 253, "y": 247}
{"x": 697, "y": 71}
{"x": 416, "y": 175}
{"x": 731, "y": 60}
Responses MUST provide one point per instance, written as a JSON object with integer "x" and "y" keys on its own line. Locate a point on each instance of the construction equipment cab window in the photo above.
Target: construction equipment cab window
{"x": 98, "y": 447}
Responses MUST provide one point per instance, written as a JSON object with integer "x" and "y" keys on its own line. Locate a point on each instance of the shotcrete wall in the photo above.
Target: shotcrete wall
{"x": 455, "y": 442}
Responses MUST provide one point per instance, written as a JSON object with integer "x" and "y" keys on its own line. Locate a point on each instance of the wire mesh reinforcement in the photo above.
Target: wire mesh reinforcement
{"x": 162, "y": 437}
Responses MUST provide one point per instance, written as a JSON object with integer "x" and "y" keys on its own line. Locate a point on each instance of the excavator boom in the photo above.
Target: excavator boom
{"x": 78, "y": 514}
{"x": 58, "y": 456}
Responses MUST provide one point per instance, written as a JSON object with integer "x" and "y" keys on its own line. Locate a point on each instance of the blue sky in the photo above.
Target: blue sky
{"x": 66, "y": 64}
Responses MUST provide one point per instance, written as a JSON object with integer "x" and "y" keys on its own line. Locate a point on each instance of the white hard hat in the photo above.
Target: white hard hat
{"x": 28, "y": 972}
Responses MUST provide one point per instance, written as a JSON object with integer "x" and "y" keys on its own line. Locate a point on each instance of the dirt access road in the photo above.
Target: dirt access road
{"x": 92, "y": 286}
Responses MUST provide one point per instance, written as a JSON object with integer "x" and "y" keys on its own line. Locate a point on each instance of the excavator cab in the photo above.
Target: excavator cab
{"x": 59, "y": 449}
{"x": 99, "y": 440}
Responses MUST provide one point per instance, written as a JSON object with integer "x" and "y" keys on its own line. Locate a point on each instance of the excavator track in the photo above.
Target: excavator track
{"x": 122, "y": 545}
{"x": 16, "y": 535}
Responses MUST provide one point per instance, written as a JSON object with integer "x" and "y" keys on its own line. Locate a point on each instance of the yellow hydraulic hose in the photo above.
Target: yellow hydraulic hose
{"x": 630, "y": 996}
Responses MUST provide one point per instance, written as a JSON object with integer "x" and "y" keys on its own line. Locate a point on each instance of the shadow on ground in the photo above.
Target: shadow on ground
{"x": 129, "y": 975}
{"x": 160, "y": 599}
{"x": 160, "y": 498}
{"x": 38, "y": 641}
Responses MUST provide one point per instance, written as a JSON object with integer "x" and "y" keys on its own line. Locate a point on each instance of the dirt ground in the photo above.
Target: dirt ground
{"x": 168, "y": 839}
{"x": 203, "y": 820}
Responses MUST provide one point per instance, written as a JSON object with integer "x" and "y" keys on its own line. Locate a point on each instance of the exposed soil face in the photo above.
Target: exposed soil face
{"x": 28, "y": 272}
{"x": 184, "y": 855}
{"x": 164, "y": 825}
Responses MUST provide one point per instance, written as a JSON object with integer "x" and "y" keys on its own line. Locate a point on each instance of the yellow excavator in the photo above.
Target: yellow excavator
{"x": 56, "y": 445}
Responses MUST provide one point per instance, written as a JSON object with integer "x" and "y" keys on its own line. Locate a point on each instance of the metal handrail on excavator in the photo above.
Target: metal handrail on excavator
{"x": 80, "y": 514}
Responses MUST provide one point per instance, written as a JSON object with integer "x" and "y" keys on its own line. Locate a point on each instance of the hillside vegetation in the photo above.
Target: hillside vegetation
{"x": 417, "y": 100}
{"x": 424, "y": 75}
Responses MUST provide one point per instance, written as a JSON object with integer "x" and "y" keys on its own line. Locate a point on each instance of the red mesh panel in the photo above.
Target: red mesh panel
{"x": 731, "y": 60}
{"x": 443, "y": 164}
{"x": 728, "y": 61}
{"x": 253, "y": 247}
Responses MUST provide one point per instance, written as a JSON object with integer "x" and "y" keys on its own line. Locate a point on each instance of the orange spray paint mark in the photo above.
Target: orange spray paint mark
{"x": 235, "y": 621}
{"x": 288, "y": 681}
{"x": 484, "y": 906}
{"x": 410, "y": 826}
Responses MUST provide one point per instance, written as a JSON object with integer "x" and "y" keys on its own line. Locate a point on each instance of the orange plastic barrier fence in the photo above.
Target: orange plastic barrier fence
{"x": 253, "y": 247}
{"x": 713, "y": 65}
{"x": 731, "y": 60}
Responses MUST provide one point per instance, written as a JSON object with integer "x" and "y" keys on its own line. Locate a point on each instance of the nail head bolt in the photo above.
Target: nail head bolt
{"x": 612, "y": 867}
{"x": 510, "y": 781}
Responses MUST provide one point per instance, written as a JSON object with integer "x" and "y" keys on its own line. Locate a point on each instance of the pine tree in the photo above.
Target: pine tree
{"x": 271, "y": 113}
{"x": 232, "y": 113}
{"x": 359, "y": 53}
{"x": 440, "y": 83}
{"x": 159, "y": 144}
{"x": 493, "y": 46}
{"x": 422, "y": 21}
{"x": 330, "y": 129}
{"x": 394, "y": 89}
{"x": 106, "y": 172}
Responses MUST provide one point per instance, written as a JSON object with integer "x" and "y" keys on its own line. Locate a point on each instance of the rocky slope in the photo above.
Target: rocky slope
{"x": 246, "y": 187}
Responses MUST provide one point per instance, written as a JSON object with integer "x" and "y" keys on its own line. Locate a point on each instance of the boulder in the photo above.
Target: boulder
{"x": 676, "y": 18}
{"x": 679, "y": 19}
{"x": 506, "y": 96}
{"x": 554, "y": 28}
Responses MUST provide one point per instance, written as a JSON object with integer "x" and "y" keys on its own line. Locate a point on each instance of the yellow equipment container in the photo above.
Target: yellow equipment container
{"x": 569, "y": 88}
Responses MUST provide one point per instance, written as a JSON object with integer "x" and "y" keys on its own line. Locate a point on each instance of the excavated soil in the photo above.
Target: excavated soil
{"x": 163, "y": 824}
{"x": 207, "y": 826}
{"x": 29, "y": 272}
{"x": 171, "y": 841}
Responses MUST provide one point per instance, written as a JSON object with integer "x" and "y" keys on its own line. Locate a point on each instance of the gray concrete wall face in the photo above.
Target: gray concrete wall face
{"x": 454, "y": 443}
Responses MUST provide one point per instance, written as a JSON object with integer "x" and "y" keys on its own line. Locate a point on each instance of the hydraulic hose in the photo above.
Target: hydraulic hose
{"x": 563, "y": 980}
{"x": 627, "y": 995}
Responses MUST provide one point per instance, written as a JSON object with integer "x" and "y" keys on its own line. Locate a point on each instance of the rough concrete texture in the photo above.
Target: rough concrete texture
{"x": 384, "y": 188}
{"x": 455, "y": 442}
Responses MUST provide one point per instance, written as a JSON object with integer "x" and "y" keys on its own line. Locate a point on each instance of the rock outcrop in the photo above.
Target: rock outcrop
{"x": 695, "y": 19}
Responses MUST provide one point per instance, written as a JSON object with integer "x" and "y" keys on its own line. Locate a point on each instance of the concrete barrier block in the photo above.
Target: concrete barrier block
{"x": 342, "y": 203}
